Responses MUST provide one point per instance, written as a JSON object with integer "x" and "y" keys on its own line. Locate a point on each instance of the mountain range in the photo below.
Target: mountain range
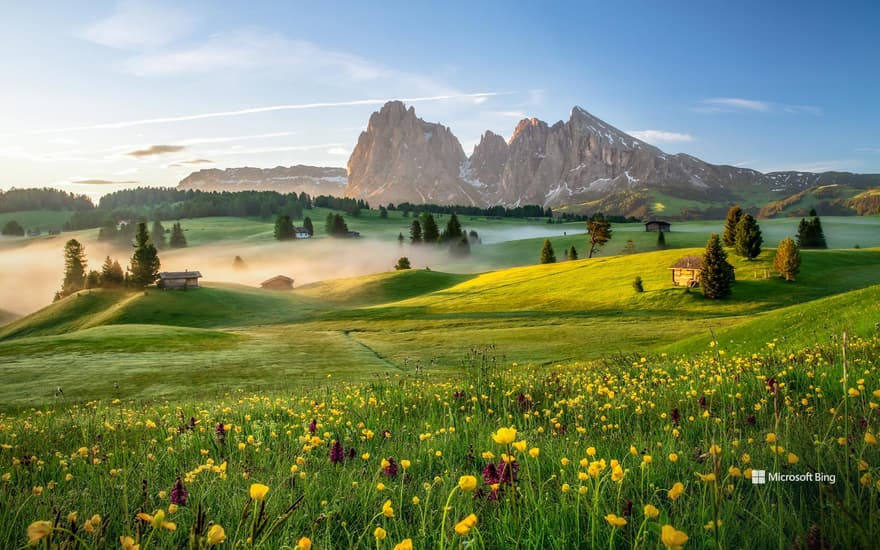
{"x": 582, "y": 164}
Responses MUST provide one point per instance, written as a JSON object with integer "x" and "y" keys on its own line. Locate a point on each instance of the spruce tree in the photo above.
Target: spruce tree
{"x": 415, "y": 232}
{"x": 340, "y": 228}
{"x": 383, "y": 213}
{"x": 309, "y": 226}
{"x": 112, "y": 275}
{"x": 787, "y": 261}
{"x": 157, "y": 234}
{"x": 144, "y": 266}
{"x": 547, "y": 255}
{"x": 13, "y": 229}
{"x": 93, "y": 280}
{"x": 733, "y": 217}
{"x": 661, "y": 240}
{"x": 74, "y": 268}
{"x": 284, "y": 228}
{"x": 430, "y": 232}
{"x": 716, "y": 277}
{"x": 328, "y": 224}
{"x": 453, "y": 232}
{"x": 748, "y": 237}
{"x": 178, "y": 239}
{"x": 572, "y": 253}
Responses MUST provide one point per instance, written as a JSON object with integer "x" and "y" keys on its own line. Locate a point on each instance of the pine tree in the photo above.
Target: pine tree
{"x": 572, "y": 253}
{"x": 661, "y": 240}
{"x": 717, "y": 276}
{"x": 284, "y": 228}
{"x": 733, "y": 217}
{"x": 157, "y": 234}
{"x": 328, "y": 224}
{"x": 309, "y": 226}
{"x": 430, "y": 232}
{"x": 415, "y": 232}
{"x": 748, "y": 237}
{"x": 462, "y": 247}
{"x": 402, "y": 263}
{"x": 787, "y": 261}
{"x": 547, "y": 255}
{"x": 178, "y": 239}
{"x": 74, "y": 268}
{"x": 600, "y": 233}
{"x": 383, "y": 213}
{"x": 13, "y": 229}
{"x": 111, "y": 274}
{"x": 145, "y": 261}
{"x": 340, "y": 228}
{"x": 93, "y": 280}
{"x": 453, "y": 232}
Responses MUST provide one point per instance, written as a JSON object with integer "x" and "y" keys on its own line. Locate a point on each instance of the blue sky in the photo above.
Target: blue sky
{"x": 767, "y": 85}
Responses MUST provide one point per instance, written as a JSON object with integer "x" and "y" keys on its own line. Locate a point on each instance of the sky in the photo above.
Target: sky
{"x": 99, "y": 96}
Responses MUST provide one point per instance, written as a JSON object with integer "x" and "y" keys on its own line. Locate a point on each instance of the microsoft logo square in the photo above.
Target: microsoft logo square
{"x": 759, "y": 477}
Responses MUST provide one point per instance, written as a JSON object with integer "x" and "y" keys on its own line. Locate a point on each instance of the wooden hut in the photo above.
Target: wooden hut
{"x": 278, "y": 282}
{"x": 686, "y": 271}
{"x": 657, "y": 226}
{"x": 179, "y": 280}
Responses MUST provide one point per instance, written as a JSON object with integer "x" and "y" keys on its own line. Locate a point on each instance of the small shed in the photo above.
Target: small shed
{"x": 179, "y": 280}
{"x": 657, "y": 226}
{"x": 278, "y": 282}
{"x": 302, "y": 233}
{"x": 686, "y": 271}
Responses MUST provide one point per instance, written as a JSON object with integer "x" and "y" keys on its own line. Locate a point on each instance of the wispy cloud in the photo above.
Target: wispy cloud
{"x": 103, "y": 182}
{"x": 341, "y": 151}
{"x": 241, "y": 150}
{"x": 519, "y": 115}
{"x": 739, "y": 104}
{"x": 867, "y": 150}
{"x": 226, "y": 139}
{"x": 138, "y": 25}
{"x": 816, "y": 167}
{"x": 154, "y": 150}
{"x": 269, "y": 109}
{"x": 196, "y": 161}
{"x": 660, "y": 136}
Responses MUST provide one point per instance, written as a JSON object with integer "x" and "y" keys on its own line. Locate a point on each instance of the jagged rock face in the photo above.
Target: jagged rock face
{"x": 314, "y": 180}
{"x": 483, "y": 170}
{"x": 400, "y": 157}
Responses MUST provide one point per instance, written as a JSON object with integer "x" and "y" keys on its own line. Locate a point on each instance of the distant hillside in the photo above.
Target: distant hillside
{"x": 7, "y": 317}
{"x": 313, "y": 180}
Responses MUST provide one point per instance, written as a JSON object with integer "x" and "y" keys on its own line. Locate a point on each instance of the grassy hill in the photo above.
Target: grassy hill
{"x": 7, "y": 317}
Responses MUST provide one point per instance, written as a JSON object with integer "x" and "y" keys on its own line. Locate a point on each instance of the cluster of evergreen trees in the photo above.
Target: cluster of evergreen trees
{"x": 425, "y": 230}
{"x": 17, "y": 200}
{"x": 124, "y": 233}
{"x": 335, "y": 225}
{"x": 810, "y": 233}
{"x": 348, "y": 205}
{"x": 527, "y": 211}
{"x": 12, "y": 229}
{"x": 142, "y": 271}
{"x": 741, "y": 231}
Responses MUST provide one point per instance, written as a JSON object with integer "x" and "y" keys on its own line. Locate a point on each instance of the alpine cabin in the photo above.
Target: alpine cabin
{"x": 179, "y": 280}
{"x": 278, "y": 282}
{"x": 657, "y": 226}
{"x": 686, "y": 271}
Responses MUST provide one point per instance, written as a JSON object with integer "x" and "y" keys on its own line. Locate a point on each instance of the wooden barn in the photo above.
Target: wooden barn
{"x": 657, "y": 226}
{"x": 302, "y": 233}
{"x": 179, "y": 280}
{"x": 686, "y": 271}
{"x": 278, "y": 282}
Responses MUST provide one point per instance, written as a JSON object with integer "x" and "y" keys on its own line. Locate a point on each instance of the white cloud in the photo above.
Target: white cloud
{"x": 271, "y": 108}
{"x": 139, "y": 25}
{"x": 519, "y": 115}
{"x": 242, "y": 150}
{"x": 738, "y": 103}
{"x": 341, "y": 151}
{"x": 660, "y": 136}
{"x": 816, "y": 167}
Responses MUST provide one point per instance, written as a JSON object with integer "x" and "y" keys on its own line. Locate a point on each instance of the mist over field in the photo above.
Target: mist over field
{"x": 33, "y": 269}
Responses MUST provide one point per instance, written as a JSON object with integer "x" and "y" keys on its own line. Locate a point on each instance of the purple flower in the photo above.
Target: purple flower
{"x": 179, "y": 493}
{"x": 313, "y": 426}
{"x": 675, "y": 415}
{"x": 490, "y": 474}
{"x": 391, "y": 469}
{"x": 337, "y": 454}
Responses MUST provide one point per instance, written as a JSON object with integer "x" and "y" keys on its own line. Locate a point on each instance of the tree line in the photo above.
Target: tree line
{"x": 17, "y": 200}
{"x": 142, "y": 271}
{"x": 424, "y": 230}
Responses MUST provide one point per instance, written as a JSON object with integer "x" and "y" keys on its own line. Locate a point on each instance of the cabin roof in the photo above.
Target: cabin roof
{"x": 283, "y": 278}
{"x": 165, "y": 275}
{"x": 688, "y": 262}
{"x": 656, "y": 221}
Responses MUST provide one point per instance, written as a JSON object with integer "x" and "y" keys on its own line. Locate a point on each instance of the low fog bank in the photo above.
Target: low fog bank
{"x": 33, "y": 269}
{"x": 492, "y": 236}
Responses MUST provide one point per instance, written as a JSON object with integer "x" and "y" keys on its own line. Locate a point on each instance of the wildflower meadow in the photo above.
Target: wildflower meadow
{"x": 631, "y": 452}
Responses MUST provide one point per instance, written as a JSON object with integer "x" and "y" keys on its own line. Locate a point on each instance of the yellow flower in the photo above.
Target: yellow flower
{"x": 566, "y": 487}
{"x": 464, "y": 526}
{"x": 504, "y": 436}
{"x": 380, "y": 533}
{"x": 676, "y": 490}
{"x": 591, "y": 451}
{"x": 387, "y": 510}
{"x": 71, "y": 517}
{"x": 258, "y": 491}
{"x": 534, "y": 452}
{"x": 564, "y": 461}
{"x": 416, "y": 501}
{"x": 707, "y": 477}
{"x": 520, "y": 445}
{"x": 646, "y": 459}
{"x": 793, "y": 458}
{"x": 172, "y": 508}
{"x": 672, "y": 538}
{"x": 870, "y": 439}
{"x": 615, "y": 521}
{"x": 853, "y": 392}
{"x": 771, "y": 437}
{"x": 406, "y": 464}
{"x": 380, "y": 486}
{"x": 216, "y": 535}
{"x": 405, "y": 544}
{"x": 305, "y": 543}
{"x": 712, "y": 524}
{"x": 157, "y": 520}
{"x": 617, "y": 473}
{"x": 37, "y": 531}
{"x": 673, "y": 457}
{"x": 128, "y": 543}
{"x": 467, "y": 483}
{"x": 651, "y": 511}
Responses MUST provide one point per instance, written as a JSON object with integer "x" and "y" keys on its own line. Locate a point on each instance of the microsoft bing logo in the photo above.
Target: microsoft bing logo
{"x": 759, "y": 477}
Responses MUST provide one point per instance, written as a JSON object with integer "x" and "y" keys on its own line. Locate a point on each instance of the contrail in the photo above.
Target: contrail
{"x": 255, "y": 110}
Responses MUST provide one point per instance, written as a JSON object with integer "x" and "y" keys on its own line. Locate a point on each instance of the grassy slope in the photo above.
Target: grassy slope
{"x": 379, "y": 288}
{"x": 31, "y": 219}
